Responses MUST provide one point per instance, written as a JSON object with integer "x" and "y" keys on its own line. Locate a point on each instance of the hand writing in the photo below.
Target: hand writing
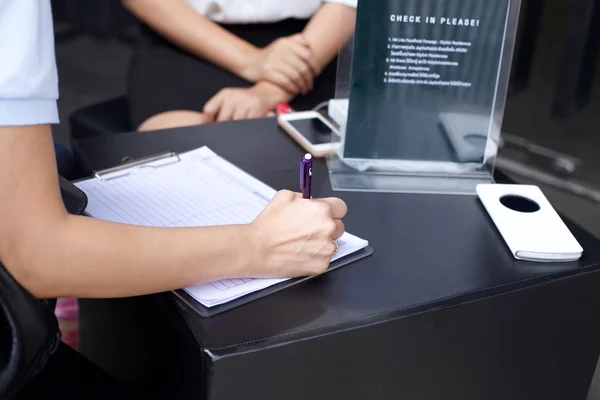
{"x": 294, "y": 236}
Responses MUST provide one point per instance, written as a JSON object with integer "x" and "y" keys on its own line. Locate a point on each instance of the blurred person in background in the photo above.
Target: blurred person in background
{"x": 204, "y": 61}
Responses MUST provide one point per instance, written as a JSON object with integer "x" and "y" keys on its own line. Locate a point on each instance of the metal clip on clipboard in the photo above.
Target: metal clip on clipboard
{"x": 131, "y": 167}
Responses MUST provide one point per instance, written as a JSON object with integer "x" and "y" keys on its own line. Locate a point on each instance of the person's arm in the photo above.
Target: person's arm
{"x": 329, "y": 29}
{"x": 180, "y": 23}
{"x": 283, "y": 63}
{"x": 54, "y": 254}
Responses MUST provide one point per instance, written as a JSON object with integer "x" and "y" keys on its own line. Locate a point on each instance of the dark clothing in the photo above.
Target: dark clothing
{"x": 71, "y": 166}
{"x": 64, "y": 161}
{"x": 163, "y": 77}
{"x": 69, "y": 375}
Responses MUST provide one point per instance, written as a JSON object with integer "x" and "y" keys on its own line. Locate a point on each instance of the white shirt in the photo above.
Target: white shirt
{"x": 260, "y": 11}
{"x": 28, "y": 77}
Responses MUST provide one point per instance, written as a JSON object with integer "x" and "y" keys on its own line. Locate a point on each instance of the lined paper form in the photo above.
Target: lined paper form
{"x": 197, "y": 189}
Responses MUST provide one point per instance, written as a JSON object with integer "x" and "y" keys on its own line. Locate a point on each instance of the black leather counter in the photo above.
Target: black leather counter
{"x": 440, "y": 310}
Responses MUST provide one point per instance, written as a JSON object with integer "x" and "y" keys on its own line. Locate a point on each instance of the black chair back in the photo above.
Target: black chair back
{"x": 29, "y": 331}
{"x": 29, "y": 335}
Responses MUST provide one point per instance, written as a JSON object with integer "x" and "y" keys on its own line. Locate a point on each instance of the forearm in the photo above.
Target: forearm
{"x": 178, "y": 22}
{"x": 82, "y": 257}
{"x": 54, "y": 254}
{"x": 328, "y": 30}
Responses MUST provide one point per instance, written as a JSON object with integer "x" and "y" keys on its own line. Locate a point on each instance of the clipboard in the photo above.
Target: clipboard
{"x": 168, "y": 158}
{"x": 204, "y": 311}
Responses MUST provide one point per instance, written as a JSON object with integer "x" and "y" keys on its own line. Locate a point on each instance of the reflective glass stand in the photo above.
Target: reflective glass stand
{"x": 420, "y": 95}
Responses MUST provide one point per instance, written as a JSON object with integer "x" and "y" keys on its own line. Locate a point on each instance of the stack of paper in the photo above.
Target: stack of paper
{"x": 202, "y": 189}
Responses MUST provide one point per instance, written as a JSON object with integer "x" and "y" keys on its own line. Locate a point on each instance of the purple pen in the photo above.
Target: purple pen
{"x": 306, "y": 175}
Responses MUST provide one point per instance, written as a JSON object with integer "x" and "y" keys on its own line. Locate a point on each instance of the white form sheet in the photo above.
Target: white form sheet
{"x": 201, "y": 189}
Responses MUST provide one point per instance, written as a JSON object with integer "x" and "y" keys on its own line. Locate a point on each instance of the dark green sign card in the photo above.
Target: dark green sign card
{"x": 424, "y": 79}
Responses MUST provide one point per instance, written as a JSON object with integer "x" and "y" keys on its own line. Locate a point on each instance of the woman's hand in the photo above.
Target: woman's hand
{"x": 287, "y": 62}
{"x": 245, "y": 103}
{"x": 295, "y": 237}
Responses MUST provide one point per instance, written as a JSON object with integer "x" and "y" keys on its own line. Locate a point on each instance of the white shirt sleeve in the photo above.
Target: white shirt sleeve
{"x": 28, "y": 76}
{"x": 349, "y": 3}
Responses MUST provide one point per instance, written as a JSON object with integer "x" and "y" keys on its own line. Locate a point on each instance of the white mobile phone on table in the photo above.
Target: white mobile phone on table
{"x": 312, "y": 131}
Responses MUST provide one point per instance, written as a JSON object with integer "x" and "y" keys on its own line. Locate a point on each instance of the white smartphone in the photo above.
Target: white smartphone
{"x": 312, "y": 131}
